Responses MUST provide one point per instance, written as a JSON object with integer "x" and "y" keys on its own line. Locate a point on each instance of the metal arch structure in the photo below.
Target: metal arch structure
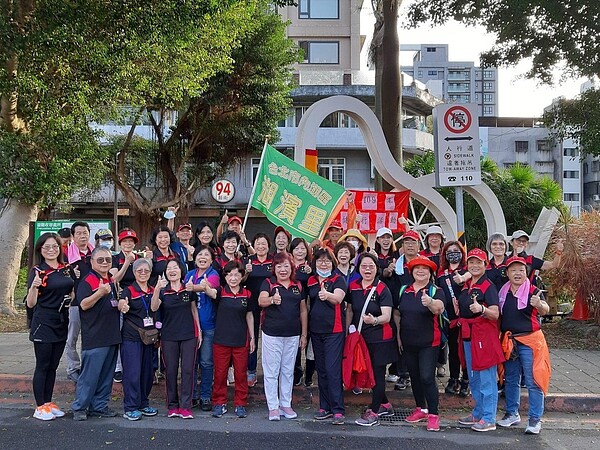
{"x": 421, "y": 188}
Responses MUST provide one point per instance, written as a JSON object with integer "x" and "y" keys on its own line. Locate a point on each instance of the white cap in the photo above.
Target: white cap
{"x": 382, "y": 231}
{"x": 434, "y": 229}
{"x": 518, "y": 234}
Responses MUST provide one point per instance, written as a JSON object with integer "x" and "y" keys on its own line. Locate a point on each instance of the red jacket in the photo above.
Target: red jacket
{"x": 486, "y": 350}
{"x": 357, "y": 370}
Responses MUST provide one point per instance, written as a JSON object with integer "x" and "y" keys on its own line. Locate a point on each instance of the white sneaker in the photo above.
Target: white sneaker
{"x": 391, "y": 378}
{"x": 534, "y": 426}
{"x": 55, "y": 410}
{"x": 43, "y": 413}
{"x": 509, "y": 420}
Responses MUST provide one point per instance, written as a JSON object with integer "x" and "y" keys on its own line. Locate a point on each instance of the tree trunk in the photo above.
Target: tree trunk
{"x": 14, "y": 232}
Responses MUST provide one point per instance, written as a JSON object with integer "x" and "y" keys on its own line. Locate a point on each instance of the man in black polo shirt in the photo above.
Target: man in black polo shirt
{"x": 100, "y": 338}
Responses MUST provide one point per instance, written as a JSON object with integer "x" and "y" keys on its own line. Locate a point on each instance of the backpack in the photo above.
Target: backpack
{"x": 443, "y": 320}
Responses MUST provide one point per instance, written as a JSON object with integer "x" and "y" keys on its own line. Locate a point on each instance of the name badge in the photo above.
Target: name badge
{"x": 148, "y": 321}
{"x": 114, "y": 303}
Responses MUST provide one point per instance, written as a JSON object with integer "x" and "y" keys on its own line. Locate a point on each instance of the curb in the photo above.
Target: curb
{"x": 564, "y": 403}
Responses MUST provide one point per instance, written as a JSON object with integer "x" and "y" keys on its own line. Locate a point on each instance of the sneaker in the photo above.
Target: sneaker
{"x": 274, "y": 415}
{"x": 43, "y": 413}
{"x": 230, "y": 377}
{"x": 453, "y": 386}
{"x": 133, "y": 415}
{"x": 118, "y": 377}
{"x": 174, "y": 413}
{"x": 509, "y": 419}
{"x": 441, "y": 372}
{"x": 287, "y": 412}
{"x": 338, "y": 419}
{"x": 402, "y": 384}
{"x": 469, "y": 420}
{"x": 149, "y": 411}
{"x": 464, "y": 388}
{"x": 356, "y": 390}
{"x": 205, "y": 404}
{"x": 240, "y": 412}
{"x": 323, "y": 414}
{"x": 368, "y": 419}
{"x": 79, "y": 415}
{"x": 105, "y": 413}
{"x": 219, "y": 410}
{"x": 433, "y": 422}
{"x": 534, "y": 426}
{"x": 385, "y": 409}
{"x": 55, "y": 410}
{"x": 417, "y": 415}
{"x": 186, "y": 414}
{"x": 252, "y": 379}
{"x": 195, "y": 403}
{"x": 73, "y": 376}
{"x": 308, "y": 382}
{"x": 482, "y": 425}
{"x": 391, "y": 378}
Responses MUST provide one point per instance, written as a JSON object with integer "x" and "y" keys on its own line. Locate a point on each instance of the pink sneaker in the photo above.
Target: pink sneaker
{"x": 433, "y": 422}
{"x": 417, "y": 416}
{"x": 287, "y": 412}
{"x": 174, "y": 413}
{"x": 185, "y": 414}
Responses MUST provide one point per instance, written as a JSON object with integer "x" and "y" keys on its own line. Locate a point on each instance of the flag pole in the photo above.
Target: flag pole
{"x": 262, "y": 158}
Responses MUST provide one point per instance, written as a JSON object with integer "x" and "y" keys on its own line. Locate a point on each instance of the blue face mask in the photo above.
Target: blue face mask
{"x": 324, "y": 273}
{"x": 106, "y": 244}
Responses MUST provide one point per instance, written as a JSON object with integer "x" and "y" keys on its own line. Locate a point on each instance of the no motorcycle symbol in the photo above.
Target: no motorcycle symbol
{"x": 457, "y": 119}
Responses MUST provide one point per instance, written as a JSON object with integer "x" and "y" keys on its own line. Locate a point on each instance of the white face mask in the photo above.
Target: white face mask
{"x": 355, "y": 244}
{"x": 106, "y": 244}
{"x": 324, "y": 273}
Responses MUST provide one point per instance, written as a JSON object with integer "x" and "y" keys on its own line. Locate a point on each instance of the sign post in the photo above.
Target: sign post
{"x": 457, "y": 151}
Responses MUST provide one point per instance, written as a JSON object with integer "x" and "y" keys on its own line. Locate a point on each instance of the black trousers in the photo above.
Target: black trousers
{"x": 47, "y": 358}
{"x": 173, "y": 354}
{"x": 422, "y": 363}
{"x": 329, "y": 349}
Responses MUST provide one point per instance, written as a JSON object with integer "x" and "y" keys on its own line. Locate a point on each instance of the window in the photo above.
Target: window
{"x": 318, "y": 9}
{"x": 431, "y": 50}
{"x": 254, "y": 163}
{"x": 595, "y": 166}
{"x": 420, "y": 73}
{"x": 488, "y": 74}
{"x": 289, "y": 121}
{"x": 521, "y": 146}
{"x": 571, "y": 151}
{"x": 488, "y": 110}
{"x": 488, "y": 86}
{"x": 432, "y": 73}
{"x": 333, "y": 169}
{"x": 571, "y": 174}
{"x": 544, "y": 146}
{"x": 488, "y": 97}
{"x": 331, "y": 121}
{"x": 347, "y": 122}
{"x": 320, "y": 52}
{"x": 570, "y": 197}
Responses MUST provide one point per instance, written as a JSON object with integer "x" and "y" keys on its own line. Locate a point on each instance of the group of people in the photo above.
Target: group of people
{"x": 414, "y": 310}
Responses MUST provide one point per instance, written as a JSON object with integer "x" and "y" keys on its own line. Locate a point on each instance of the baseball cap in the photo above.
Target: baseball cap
{"x": 383, "y": 231}
{"x": 234, "y": 219}
{"x": 103, "y": 234}
{"x": 184, "y": 225}
{"x": 127, "y": 233}
{"x": 336, "y": 224}
{"x": 280, "y": 229}
{"x": 422, "y": 261}
{"x": 411, "y": 234}
{"x": 518, "y": 234}
{"x": 515, "y": 259}
{"x": 477, "y": 253}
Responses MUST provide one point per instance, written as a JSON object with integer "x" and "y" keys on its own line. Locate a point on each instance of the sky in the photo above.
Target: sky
{"x": 518, "y": 97}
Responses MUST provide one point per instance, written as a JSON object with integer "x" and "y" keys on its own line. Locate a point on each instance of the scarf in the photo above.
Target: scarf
{"x": 522, "y": 294}
{"x": 73, "y": 253}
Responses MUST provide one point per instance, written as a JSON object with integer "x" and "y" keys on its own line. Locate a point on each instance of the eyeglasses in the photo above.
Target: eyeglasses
{"x": 106, "y": 260}
{"x": 142, "y": 271}
{"x": 368, "y": 266}
{"x": 323, "y": 261}
{"x": 50, "y": 247}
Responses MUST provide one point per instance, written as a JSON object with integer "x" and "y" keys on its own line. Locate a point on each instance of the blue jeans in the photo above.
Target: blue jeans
{"x": 205, "y": 364}
{"x": 484, "y": 389}
{"x": 512, "y": 376}
{"x": 94, "y": 385}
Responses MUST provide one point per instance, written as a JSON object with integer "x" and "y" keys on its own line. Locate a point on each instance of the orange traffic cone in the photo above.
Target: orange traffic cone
{"x": 580, "y": 310}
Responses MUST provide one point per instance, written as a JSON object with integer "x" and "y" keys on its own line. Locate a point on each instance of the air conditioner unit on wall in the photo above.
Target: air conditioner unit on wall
{"x": 596, "y": 197}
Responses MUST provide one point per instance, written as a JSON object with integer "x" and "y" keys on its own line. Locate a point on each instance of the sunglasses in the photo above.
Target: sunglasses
{"x": 104, "y": 260}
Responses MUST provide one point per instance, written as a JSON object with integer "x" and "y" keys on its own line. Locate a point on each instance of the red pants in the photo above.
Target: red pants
{"x": 222, "y": 359}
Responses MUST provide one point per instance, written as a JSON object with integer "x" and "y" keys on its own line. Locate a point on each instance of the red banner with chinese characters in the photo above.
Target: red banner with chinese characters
{"x": 376, "y": 210}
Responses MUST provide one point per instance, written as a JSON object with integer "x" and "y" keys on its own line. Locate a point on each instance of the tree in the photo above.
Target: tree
{"x": 553, "y": 34}
{"x": 64, "y": 64}
{"x": 216, "y": 129}
{"x": 385, "y": 54}
{"x": 517, "y": 185}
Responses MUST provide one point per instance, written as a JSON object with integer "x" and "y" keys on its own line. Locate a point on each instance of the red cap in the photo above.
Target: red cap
{"x": 184, "y": 225}
{"x": 279, "y": 229}
{"x": 411, "y": 234}
{"x": 234, "y": 219}
{"x": 515, "y": 259}
{"x": 336, "y": 224}
{"x": 422, "y": 261}
{"x": 477, "y": 253}
{"x": 124, "y": 234}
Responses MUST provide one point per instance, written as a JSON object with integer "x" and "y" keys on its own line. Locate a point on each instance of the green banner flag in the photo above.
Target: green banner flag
{"x": 294, "y": 197}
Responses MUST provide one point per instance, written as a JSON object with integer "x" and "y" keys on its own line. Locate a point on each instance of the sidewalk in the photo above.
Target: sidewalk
{"x": 574, "y": 387}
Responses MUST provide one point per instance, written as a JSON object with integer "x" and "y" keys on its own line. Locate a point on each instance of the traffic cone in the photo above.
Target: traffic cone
{"x": 581, "y": 311}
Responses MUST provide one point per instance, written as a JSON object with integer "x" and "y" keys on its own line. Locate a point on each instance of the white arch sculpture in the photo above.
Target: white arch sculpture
{"x": 421, "y": 188}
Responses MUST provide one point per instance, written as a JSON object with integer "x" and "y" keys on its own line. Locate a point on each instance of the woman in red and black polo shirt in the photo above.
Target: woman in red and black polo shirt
{"x": 326, "y": 292}
{"x": 495, "y": 271}
{"x": 284, "y": 328}
{"x": 421, "y": 337}
{"x": 161, "y": 239}
{"x": 376, "y": 331}
{"x": 50, "y": 291}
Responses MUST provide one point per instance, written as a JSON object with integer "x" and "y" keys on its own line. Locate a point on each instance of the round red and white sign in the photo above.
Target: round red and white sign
{"x": 223, "y": 191}
{"x": 457, "y": 119}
